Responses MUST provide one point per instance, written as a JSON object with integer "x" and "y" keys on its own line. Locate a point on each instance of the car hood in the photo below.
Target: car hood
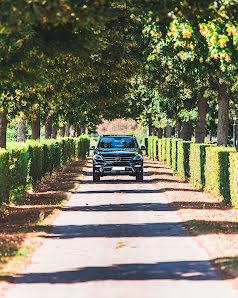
{"x": 117, "y": 152}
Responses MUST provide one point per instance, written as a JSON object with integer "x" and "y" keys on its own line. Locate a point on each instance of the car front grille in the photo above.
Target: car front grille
{"x": 112, "y": 159}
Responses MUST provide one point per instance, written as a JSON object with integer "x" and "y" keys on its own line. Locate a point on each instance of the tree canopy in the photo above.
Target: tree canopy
{"x": 159, "y": 62}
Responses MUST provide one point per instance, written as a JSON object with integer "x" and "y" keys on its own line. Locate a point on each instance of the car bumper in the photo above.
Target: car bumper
{"x": 112, "y": 169}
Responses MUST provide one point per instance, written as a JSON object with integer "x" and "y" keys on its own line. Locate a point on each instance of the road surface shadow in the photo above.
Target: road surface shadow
{"x": 131, "y": 181}
{"x": 133, "y": 191}
{"x": 121, "y": 207}
{"x": 162, "y": 229}
{"x": 180, "y": 270}
{"x": 167, "y": 229}
{"x": 146, "y": 207}
{"x": 152, "y": 173}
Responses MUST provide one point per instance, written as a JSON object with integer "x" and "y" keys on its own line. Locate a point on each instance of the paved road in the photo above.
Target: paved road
{"x": 119, "y": 239}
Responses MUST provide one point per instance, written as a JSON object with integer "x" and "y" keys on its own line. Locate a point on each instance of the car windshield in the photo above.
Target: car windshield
{"x": 117, "y": 143}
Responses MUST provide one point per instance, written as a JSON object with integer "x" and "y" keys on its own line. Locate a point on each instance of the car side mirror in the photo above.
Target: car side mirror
{"x": 92, "y": 148}
{"x": 143, "y": 148}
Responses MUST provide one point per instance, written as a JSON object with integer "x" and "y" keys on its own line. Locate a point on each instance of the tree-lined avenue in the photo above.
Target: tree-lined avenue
{"x": 119, "y": 238}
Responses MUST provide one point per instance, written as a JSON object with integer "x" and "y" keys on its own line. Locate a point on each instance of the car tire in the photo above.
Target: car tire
{"x": 139, "y": 177}
{"x": 96, "y": 177}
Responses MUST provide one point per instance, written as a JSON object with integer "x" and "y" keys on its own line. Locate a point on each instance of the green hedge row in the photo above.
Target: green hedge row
{"x": 197, "y": 160}
{"x": 175, "y": 153}
{"x": 217, "y": 175}
{"x": 183, "y": 153}
{"x": 168, "y": 151}
{"x": 206, "y": 166}
{"x": 233, "y": 171}
{"x": 24, "y": 165}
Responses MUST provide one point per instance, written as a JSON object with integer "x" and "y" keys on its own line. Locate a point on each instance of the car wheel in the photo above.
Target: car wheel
{"x": 139, "y": 177}
{"x": 96, "y": 177}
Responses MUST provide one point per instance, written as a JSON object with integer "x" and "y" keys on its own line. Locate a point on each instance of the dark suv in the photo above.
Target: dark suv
{"x": 117, "y": 155}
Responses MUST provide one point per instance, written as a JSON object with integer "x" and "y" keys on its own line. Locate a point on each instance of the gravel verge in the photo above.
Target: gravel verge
{"x": 213, "y": 223}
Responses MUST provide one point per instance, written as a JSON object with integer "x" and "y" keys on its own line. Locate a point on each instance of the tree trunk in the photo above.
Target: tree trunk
{"x": 72, "y": 131}
{"x": 62, "y": 131}
{"x": 178, "y": 127}
{"x": 187, "y": 130}
{"x": 21, "y": 130}
{"x": 168, "y": 131}
{"x": 160, "y": 133}
{"x": 152, "y": 131}
{"x": 78, "y": 131}
{"x": 3, "y": 128}
{"x": 35, "y": 127}
{"x": 223, "y": 115}
{"x": 48, "y": 127}
{"x": 200, "y": 129}
{"x": 67, "y": 129}
{"x": 210, "y": 136}
{"x": 54, "y": 132}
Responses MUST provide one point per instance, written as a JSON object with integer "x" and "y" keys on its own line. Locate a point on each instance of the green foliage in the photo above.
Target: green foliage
{"x": 36, "y": 153}
{"x": 19, "y": 170}
{"x": 68, "y": 147}
{"x": 160, "y": 150}
{"x": 82, "y": 147}
{"x": 217, "y": 171}
{"x": 169, "y": 151}
{"x": 14, "y": 169}
{"x": 233, "y": 158}
{"x": 183, "y": 169}
{"x": 164, "y": 143}
{"x": 197, "y": 164}
{"x": 11, "y": 132}
{"x": 4, "y": 176}
{"x": 24, "y": 165}
{"x": 56, "y": 155}
{"x": 175, "y": 153}
{"x": 150, "y": 138}
{"x": 47, "y": 164}
{"x": 154, "y": 148}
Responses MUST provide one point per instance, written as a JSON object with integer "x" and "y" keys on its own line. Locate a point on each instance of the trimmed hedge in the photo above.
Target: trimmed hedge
{"x": 217, "y": 171}
{"x": 169, "y": 151}
{"x": 152, "y": 147}
{"x": 36, "y": 162}
{"x": 4, "y": 176}
{"x": 233, "y": 158}
{"x": 164, "y": 142}
{"x": 155, "y": 148}
{"x": 206, "y": 166}
{"x": 197, "y": 161}
{"x": 82, "y": 147}
{"x": 17, "y": 172}
{"x": 160, "y": 150}
{"x": 175, "y": 153}
{"x": 152, "y": 151}
{"x": 183, "y": 159}
{"x": 149, "y": 145}
{"x": 24, "y": 165}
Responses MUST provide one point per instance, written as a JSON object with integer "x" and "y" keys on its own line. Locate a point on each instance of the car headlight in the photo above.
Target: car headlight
{"x": 98, "y": 158}
{"x": 138, "y": 157}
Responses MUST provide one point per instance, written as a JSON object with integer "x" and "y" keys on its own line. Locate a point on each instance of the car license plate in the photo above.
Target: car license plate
{"x": 118, "y": 168}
